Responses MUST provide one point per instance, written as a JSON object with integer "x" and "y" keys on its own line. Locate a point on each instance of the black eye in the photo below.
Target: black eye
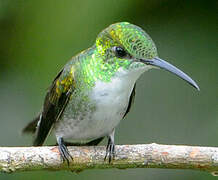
{"x": 119, "y": 52}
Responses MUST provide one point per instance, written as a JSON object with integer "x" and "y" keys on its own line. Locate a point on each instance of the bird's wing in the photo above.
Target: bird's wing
{"x": 131, "y": 100}
{"x": 55, "y": 102}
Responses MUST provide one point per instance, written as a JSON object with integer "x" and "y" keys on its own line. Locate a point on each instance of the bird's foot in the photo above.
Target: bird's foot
{"x": 65, "y": 154}
{"x": 110, "y": 150}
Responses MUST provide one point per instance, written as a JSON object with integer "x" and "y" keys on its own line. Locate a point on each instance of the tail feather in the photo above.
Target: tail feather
{"x": 31, "y": 127}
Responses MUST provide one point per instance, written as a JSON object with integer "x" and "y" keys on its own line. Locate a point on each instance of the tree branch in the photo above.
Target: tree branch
{"x": 14, "y": 159}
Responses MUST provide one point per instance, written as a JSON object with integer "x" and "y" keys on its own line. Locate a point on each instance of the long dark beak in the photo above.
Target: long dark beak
{"x": 169, "y": 67}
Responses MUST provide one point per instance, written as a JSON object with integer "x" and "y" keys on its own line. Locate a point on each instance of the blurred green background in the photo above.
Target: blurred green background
{"x": 38, "y": 37}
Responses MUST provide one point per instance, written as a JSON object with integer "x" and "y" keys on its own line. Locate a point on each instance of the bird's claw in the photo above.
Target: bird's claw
{"x": 110, "y": 151}
{"x": 65, "y": 154}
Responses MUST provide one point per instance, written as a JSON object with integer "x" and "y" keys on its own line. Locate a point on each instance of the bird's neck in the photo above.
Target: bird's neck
{"x": 96, "y": 67}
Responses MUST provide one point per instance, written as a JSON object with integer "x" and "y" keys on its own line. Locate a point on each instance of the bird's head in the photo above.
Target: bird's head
{"x": 127, "y": 46}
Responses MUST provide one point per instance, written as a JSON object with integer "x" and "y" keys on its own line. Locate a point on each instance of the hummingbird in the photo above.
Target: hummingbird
{"x": 94, "y": 91}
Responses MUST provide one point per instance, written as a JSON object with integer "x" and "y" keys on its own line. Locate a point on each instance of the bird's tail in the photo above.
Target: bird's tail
{"x": 31, "y": 127}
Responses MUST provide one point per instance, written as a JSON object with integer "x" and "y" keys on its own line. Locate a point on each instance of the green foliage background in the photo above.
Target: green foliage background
{"x": 38, "y": 37}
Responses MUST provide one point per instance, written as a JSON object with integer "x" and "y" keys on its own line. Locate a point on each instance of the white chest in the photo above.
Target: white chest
{"x": 111, "y": 101}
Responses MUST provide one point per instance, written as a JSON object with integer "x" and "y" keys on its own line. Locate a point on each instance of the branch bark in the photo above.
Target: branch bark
{"x": 15, "y": 159}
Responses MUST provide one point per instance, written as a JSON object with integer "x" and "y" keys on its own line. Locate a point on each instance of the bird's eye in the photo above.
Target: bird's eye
{"x": 119, "y": 52}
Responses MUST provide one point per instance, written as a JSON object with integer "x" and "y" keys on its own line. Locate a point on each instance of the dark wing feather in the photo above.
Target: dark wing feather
{"x": 55, "y": 102}
{"x": 131, "y": 100}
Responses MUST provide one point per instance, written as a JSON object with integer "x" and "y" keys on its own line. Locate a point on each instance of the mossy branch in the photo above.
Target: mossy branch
{"x": 16, "y": 159}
